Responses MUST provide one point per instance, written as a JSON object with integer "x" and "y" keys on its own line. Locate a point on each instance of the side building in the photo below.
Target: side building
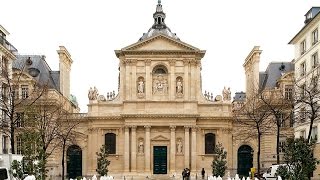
{"x": 306, "y": 61}
{"x": 275, "y": 84}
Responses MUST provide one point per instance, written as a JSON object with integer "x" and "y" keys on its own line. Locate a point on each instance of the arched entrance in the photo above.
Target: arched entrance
{"x": 245, "y": 160}
{"x": 74, "y": 161}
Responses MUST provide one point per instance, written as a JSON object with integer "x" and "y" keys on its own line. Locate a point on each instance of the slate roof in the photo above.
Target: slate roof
{"x": 37, "y": 67}
{"x": 239, "y": 96}
{"x": 274, "y": 71}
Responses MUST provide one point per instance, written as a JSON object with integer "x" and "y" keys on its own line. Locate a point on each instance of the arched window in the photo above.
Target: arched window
{"x": 110, "y": 142}
{"x": 160, "y": 69}
{"x": 210, "y": 142}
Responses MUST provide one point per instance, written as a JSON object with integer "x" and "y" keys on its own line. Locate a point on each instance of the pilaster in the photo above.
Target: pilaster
{"x": 172, "y": 149}
{"x": 186, "y": 149}
{"x": 126, "y": 149}
{"x": 172, "y": 91}
{"x": 148, "y": 79}
{"x": 186, "y": 86}
{"x": 194, "y": 149}
{"x": 147, "y": 149}
{"x": 133, "y": 149}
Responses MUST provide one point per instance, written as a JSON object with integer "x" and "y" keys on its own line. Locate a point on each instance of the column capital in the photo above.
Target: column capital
{"x": 147, "y": 127}
{"x": 172, "y": 128}
{"x": 133, "y": 127}
{"x": 147, "y": 62}
{"x": 186, "y": 61}
{"x": 134, "y": 62}
{"x": 194, "y": 128}
{"x": 172, "y": 62}
{"x": 126, "y": 127}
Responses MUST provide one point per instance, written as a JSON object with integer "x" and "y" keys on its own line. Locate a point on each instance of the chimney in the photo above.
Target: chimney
{"x": 65, "y": 63}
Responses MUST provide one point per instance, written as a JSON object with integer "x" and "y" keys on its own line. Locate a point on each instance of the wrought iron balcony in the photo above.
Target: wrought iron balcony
{"x": 7, "y": 45}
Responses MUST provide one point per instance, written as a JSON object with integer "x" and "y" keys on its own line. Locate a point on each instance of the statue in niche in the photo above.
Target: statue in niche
{"x": 179, "y": 86}
{"x": 140, "y": 147}
{"x": 141, "y": 86}
{"x": 179, "y": 146}
{"x": 226, "y": 93}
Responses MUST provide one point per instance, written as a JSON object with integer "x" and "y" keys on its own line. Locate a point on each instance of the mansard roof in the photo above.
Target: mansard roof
{"x": 37, "y": 67}
{"x": 274, "y": 71}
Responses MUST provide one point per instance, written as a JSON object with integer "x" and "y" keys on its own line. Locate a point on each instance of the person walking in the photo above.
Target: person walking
{"x": 203, "y": 172}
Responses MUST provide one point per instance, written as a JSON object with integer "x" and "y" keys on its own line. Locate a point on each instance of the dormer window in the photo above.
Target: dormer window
{"x": 303, "y": 47}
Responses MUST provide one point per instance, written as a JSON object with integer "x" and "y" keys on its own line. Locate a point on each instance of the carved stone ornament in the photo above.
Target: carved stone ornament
{"x": 160, "y": 84}
{"x": 140, "y": 88}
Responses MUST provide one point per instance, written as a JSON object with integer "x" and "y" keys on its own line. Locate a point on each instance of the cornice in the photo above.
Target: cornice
{"x": 160, "y": 115}
{"x": 7, "y": 52}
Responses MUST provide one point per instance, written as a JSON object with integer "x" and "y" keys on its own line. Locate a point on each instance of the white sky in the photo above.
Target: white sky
{"x": 92, "y": 29}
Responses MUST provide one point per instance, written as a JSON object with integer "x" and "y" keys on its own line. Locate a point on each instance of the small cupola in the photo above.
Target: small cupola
{"x": 159, "y": 17}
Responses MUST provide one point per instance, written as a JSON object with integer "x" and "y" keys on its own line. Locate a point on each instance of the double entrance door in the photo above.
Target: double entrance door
{"x": 159, "y": 159}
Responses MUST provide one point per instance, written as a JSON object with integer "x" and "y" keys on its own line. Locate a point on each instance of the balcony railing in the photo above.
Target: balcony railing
{"x": 7, "y": 45}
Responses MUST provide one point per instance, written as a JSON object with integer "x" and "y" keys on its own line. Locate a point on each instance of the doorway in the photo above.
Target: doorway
{"x": 160, "y": 160}
{"x": 245, "y": 160}
{"x": 74, "y": 161}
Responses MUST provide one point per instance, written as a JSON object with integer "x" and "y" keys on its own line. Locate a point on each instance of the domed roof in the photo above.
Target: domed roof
{"x": 159, "y": 26}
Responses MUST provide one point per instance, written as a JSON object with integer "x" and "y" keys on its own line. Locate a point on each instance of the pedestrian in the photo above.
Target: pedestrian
{"x": 203, "y": 172}
{"x": 184, "y": 174}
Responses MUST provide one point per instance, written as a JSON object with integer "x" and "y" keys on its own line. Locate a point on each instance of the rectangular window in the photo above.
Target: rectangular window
{"x": 303, "y": 47}
{"x": 4, "y": 66}
{"x": 303, "y": 134}
{"x": 24, "y": 91}
{"x": 303, "y": 115}
{"x": 291, "y": 120}
{"x": 314, "y": 59}
{"x": 20, "y": 120}
{"x": 4, "y": 144}
{"x": 19, "y": 145}
{"x": 288, "y": 90}
{"x": 4, "y": 92}
{"x": 303, "y": 69}
{"x": 315, "y": 36}
{"x": 281, "y": 119}
{"x": 282, "y": 145}
{"x": 314, "y": 133}
{"x": 4, "y": 116}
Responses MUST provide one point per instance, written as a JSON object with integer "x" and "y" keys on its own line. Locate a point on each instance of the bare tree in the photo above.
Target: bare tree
{"x": 253, "y": 121}
{"x": 12, "y": 103}
{"x": 307, "y": 107}
{"x": 67, "y": 135}
{"x": 280, "y": 106}
{"x": 47, "y": 117}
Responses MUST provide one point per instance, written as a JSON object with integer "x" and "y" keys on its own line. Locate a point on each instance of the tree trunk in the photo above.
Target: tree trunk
{"x": 12, "y": 128}
{"x": 62, "y": 161}
{"x": 278, "y": 140}
{"x": 258, "y": 153}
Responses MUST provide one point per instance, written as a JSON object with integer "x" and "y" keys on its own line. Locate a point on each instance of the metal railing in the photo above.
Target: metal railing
{"x": 7, "y": 45}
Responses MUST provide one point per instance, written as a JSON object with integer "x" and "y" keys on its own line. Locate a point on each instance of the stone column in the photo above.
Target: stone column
{"x": 186, "y": 147}
{"x": 194, "y": 149}
{"x": 147, "y": 149}
{"x": 133, "y": 149}
{"x": 186, "y": 86}
{"x": 148, "y": 80}
{"x": 172, "y": 89}
{"x": 126, "y": 149}
{"x": 173, "y": 149}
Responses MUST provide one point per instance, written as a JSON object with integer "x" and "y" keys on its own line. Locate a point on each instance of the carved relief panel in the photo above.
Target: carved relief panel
{"x": 160, "y": 83}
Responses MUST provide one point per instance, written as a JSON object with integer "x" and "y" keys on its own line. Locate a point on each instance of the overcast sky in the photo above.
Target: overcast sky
{"x": 92, "y": 29}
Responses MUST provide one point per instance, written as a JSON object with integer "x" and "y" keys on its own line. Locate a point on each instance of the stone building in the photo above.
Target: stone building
{"x": 306, "y": 60}
{"x": 275, "y": 85}
{"x": 160, "y": 122}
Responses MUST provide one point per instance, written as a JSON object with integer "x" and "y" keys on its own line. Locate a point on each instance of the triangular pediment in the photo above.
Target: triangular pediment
{"x": 160, "y": 138}
{"x": 160, "y": 42}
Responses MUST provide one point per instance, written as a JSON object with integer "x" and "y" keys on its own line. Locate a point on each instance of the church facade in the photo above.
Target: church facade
{"x": 160, "y": 122}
